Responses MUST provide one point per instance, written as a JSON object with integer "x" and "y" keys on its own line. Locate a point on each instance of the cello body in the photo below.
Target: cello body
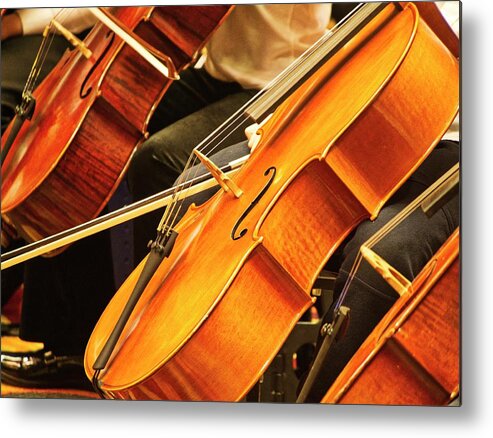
{"x": 239, "y": 277}
{"x": 90, "y": 116}
{"x": 412, "y": 356}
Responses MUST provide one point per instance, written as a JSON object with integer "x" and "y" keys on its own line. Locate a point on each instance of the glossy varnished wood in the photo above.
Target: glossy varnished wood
{"x": 412, "y": 356}
{"x": 259, "y": 303}
{"x": 184, "y": 338}
{"x": 89, "y": 118}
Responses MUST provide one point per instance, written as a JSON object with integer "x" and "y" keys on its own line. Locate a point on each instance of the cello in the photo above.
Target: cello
{"x": 91, "y": 114}
{"x": 206, "y": 327}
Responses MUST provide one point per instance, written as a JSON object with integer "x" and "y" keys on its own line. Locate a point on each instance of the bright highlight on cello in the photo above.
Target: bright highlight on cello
{"x": 350, "y": 127}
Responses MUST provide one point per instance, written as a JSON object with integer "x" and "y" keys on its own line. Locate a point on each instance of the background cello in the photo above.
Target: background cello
{"x": 90, "y": 116}
{"x": 412, "y": 356}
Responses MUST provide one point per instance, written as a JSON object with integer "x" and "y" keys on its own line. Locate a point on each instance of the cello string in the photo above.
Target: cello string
{"x": 39, "y": 61}
{"x": 45, "y": 48}
{"x": 392, "y": 224}
{"x": 278, "y": 82}
{"x": 217, "y": 138}
{"x": 43, "y": 51}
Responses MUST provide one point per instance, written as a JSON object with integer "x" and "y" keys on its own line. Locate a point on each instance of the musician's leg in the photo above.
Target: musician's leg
{"x": 161, "y": 159}
{"x": 72, "y": 289}
{"x": 62, "y": 301}
{"x": 407, "y": 249}
{"x": 195, "y": 90}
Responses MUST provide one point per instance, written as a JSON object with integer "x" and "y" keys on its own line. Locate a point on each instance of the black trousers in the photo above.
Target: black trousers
{"x": 65, "y": 295}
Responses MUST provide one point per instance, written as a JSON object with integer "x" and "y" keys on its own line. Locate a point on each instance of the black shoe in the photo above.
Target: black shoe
{"x": 44, "y": 370}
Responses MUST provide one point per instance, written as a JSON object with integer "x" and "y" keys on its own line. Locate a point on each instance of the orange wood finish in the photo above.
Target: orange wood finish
{"x": 216, "y": 312}
{"x": 91, "y": 115}
{"x": 412, "y": 356}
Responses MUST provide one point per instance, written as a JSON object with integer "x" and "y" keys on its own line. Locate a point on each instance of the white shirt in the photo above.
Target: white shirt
{"x": 256, "y": 42}
{"x": 34, "y": 20}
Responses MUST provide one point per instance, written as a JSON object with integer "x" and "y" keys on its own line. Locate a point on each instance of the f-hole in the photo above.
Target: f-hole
{"x": 234, "y": 234}
{"x": 84, "y": 93}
